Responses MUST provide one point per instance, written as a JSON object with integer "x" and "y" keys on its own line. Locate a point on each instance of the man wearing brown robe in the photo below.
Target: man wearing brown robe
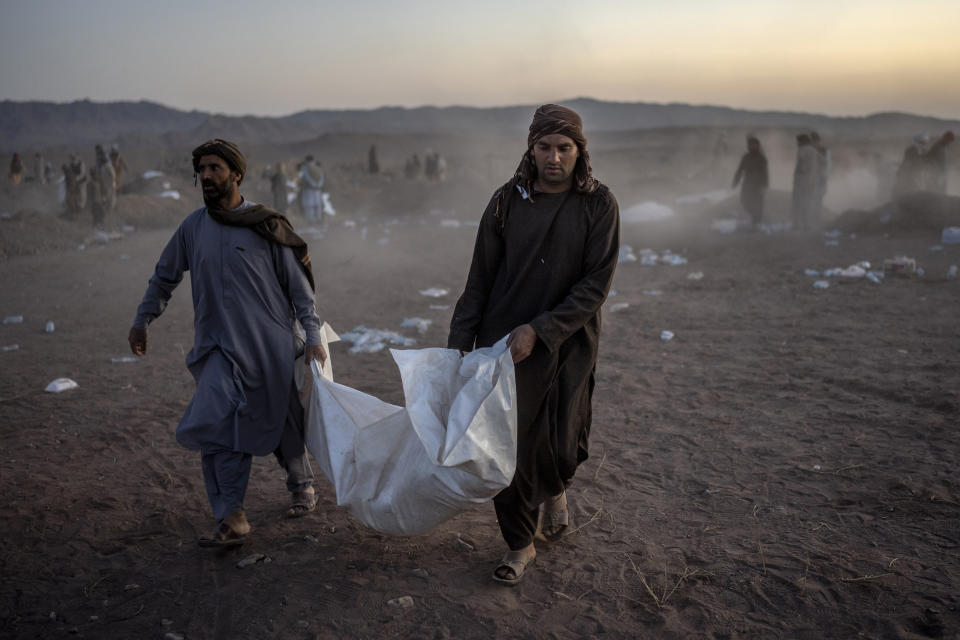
{"x": 543, "y": 262}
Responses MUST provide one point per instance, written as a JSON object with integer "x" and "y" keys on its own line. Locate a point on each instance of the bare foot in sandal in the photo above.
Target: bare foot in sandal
{"x": 302, "y": 503}
{"x": 554, "y": 517}
{"x": 511, "y": 569}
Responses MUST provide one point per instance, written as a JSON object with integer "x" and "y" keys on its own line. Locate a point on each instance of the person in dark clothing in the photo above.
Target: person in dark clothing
{"x": 753, "y": 179}
{"x": 542, "y": 265}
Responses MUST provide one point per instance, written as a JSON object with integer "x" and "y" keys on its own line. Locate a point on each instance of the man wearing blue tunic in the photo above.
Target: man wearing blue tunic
{"x": 252, "y": 282}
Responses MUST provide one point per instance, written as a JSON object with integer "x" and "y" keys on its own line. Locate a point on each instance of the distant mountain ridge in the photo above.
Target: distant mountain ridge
{"x": 28, "y": 125}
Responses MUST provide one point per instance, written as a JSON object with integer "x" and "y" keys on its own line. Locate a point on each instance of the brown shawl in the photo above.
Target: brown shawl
{"x": 271, "y": 225}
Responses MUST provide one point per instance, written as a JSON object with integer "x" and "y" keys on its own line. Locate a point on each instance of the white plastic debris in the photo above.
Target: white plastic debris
{"x": 170, "y": 193}
{"x": 626, "y": 254}
{"x": 813, "y": 273}
{"x": 619, "y": 306}
{"x": 327, "y": 207}
{"x": 645, "y": 212}
{"x": 13, "y": 320}
{"x": 450, "y": 224}
{"x": 831, "y": 243}
{"x": 123, "y": 359}
{"x": 420, "y": 324}
{"x": 853, "y": 271}
{"x": 49, "y": 327}
{"x": 695, "y": 275}
{"x": 10, "y": 347}
{"x": 950, "y": 235}
{"x": 648, "y": 257}
{"x": 652, "y": 292}
{"x": 153, "y": 173}
{"x": 439, "y": 307}
{"x": 672, "y": 259}
{"x": 952, "y": 272}
{"x": 434, "y": 292}
{"x": 667, "y": 336}
{"x": 127, "y": 228}
{"x": 821, "y": 284}
{"x": 900, "y": 266}
{"x": 61, "y": 384}
{"x": 366, "y": 340}
{"x": 350, "y": 224}
{"x": 936, "y": 247}
{"x": 875, "y": 277}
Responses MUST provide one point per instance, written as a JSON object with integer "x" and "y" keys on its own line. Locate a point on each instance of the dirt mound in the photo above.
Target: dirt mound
{"x": 921, "y": 211}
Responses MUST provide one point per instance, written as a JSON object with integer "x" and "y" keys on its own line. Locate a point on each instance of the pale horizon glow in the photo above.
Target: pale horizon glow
{"x": 837, "y": 58}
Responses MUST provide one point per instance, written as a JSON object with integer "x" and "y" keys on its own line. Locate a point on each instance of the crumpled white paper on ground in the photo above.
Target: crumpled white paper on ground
{"x": 404, "y": 470}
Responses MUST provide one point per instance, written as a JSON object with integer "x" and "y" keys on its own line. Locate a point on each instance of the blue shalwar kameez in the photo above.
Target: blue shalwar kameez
{"x": 248, "y": 293}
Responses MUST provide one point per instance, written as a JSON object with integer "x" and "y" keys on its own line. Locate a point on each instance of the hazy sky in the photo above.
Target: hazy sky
{"x": 837, "y": 57}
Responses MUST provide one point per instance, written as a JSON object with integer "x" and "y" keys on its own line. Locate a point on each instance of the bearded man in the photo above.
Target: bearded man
{"x": 252, "y": 282}
{"x": 542, "y": 265}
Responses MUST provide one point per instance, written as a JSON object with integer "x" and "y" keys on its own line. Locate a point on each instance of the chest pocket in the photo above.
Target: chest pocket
{"x": 255, "y": 257}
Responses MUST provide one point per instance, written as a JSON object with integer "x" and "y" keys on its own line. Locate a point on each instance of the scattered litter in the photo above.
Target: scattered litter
{"x": 936, "y": 247}
{"x": 775, "y": 227}
{"x": 61, "y": 384}
{"x": 327, "y": 207}
{"x": 251, "y": 560}
{"x": 366, "y": 340}
{"x": 920, "y": 272}
{"x": 831, "y": 243}
{"x": 900, "y": 266}
{"x": 127, "y": 228}
{"x": 170, "y": 193}
{"x": 952, "y": 272}
{"x": 81, "y": 247}
{"x": 672, "y": 259}
{"x": 153, "y": 173}
{"x": 821, "y": 284}
{"x": 646, "y": 212}
{"x": 612, "y": 293}
{"x": 434, "y": 292}
{"x": 816, "y": 467}
{"x": 724, "y": 225}
{"x": 666, "y": 336}
{"x": 439, "y": 307}
{"x": 123, "y": 359}
{"x": 102, "y": 237}
{"x": 166, "y": 185}
{"x": 875, "y": 277}
{"x": 626, "y": 254}
{"x": 950, "y": 235}
{"x": 649, "y": 257}
{"x": 420, "y": 324}
{"x": 403, "y": 602}
{"x": 13, "y": 320}
{"x": 11, "y": 347}
{"x": 813, "y": 273}
{"x": 619, "y": 306}
{"x": 695, "y": 275}
{"x": 450, "y": 224}
{"x": 349, "y": 224}
{"x": 653, "y": 292}
{"x": 853, "y": 271}
{"x": 49, "y": 327}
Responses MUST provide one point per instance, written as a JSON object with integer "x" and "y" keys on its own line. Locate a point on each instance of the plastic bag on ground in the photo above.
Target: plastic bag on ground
{"x": 404, "y": 470}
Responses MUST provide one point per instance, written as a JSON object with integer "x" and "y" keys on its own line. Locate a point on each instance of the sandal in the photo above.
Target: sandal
{"x": 302, "y": 503}
{"x": 230, "y": 532}
{"x": 554, "y": 517}
{"x": 511, "y": 569}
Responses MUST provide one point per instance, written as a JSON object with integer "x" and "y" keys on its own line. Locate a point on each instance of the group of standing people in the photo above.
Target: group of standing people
{"x": 542, "y": 266}
{"x": 810, "y": 177}
{"x": 433, "y": 167}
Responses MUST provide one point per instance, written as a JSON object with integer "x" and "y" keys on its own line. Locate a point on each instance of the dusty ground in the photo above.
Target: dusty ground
{"x": 784, "y": 467}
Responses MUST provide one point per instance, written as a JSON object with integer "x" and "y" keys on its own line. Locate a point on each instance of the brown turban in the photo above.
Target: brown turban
{"x": 552, "y": 118}
{"x": 226, "y": 150}
{"x": 548, "y": 119}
